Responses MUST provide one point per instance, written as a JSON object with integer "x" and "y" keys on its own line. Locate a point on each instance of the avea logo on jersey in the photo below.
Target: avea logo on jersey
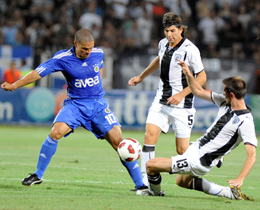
{"x": 80, "y": 83}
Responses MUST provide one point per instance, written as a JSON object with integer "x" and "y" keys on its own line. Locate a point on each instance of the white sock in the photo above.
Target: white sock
{"x": 210, "y": 188}
{"x": 147, "y": 154}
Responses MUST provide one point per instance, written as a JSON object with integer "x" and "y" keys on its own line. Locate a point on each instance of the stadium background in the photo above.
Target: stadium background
{"x": 226, "y": 31}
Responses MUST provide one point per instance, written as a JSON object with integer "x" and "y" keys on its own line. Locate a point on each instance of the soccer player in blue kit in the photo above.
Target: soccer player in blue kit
{"x": 82, "y": 67}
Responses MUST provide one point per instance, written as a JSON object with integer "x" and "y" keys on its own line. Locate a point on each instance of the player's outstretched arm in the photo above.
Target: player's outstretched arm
{"x": 248, "y": 165}
{"x": 195, "y": 87}
{"x": 27, "y": 79}
{"x": 178, "y": 97}
{"x": 154, "y": 65}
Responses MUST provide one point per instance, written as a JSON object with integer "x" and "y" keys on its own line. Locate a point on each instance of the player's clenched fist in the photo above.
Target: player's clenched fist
{"x": 7, "y": 86}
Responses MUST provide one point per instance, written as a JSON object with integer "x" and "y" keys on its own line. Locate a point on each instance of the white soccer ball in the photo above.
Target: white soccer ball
{"x": 129, "y": 150}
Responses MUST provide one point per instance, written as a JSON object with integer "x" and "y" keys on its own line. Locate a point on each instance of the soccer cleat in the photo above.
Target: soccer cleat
{"x": 161, "y": 193}
{"x": 144, "y": 191}
{"x": 31, "y": 179}
{"x": 135, "y": 189}
{"x": 238, "y": 195}
{"x": 147, "y": 192}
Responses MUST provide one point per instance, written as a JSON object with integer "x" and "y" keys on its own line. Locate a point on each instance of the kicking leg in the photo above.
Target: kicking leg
{"x": 114, "y": 137}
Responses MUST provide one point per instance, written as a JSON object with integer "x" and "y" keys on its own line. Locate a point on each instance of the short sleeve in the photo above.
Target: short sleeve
{"x": 48, "y": 67}
{"x": 218, "y": 99}
{"x": 195, "y": 62}
{"x": 247, "y": 132}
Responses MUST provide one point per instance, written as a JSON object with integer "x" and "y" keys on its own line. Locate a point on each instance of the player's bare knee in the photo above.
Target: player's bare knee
{"x": 180, "y": 151}
{"x": 149, "y": 139}
{"x": 55, "y": 134}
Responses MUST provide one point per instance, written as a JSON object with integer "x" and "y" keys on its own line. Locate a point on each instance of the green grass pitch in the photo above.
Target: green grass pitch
{"x": 85, "y": 173}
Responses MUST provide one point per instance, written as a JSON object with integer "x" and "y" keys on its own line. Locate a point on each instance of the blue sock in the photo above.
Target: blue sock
{"x": 135, "y": 173}
{"x": 48, "y": 149}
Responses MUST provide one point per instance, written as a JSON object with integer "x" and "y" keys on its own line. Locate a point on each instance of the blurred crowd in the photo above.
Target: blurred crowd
{"x": 220, "y": 28}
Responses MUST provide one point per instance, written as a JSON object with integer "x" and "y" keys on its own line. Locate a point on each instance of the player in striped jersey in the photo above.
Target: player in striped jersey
{"x": 82, "y": 67}
{"x": 234, "y": 124}
{"x": 173, "y": 103}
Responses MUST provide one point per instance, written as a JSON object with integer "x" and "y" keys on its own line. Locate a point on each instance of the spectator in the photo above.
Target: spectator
{"x": 18, "y": 19}
{"x": 225, "y": 12}
{"x": 90, "y": 19}
{"x": 203, "y": 8}
{"x": 32, "y": 32}
{"x": 209, "y": 26}
{"x": 45, "y": 7}
{"x": 9, "y": 33}
{"x": 61, "y": 29}
{"x": 158, "y": 11}
{"x": 135, "y": 9}
{"x": 225, "y": 38}
{"x": 108, "y": 30}
{"x": 243, "y": 17}
{"x": 236, "y": 28}
{"x": 135, "y": 34}
{"x": 178, "y": 6}
{"x": 11, "y": 74}
{"x": 145, "y": 26}
{"x": 120, "y": 7}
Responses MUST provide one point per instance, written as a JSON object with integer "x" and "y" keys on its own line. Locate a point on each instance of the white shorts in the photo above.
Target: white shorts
{"x": 182, "y": 120}
{"x": 189, "y": 163}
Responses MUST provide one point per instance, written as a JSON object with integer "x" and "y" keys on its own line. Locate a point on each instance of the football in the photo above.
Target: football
{"x": 129, "y": 150}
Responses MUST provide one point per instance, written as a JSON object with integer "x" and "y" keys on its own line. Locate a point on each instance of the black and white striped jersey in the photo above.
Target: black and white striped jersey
{"x": 172, "y": 79}
{"x": 229, "y": 129}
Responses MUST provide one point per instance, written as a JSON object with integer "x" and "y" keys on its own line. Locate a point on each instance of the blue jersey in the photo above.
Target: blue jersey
{"x": 82, "y": 75}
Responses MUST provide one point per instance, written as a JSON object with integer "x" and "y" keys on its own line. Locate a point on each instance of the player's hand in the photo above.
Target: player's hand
{"x": 134, "y": 81}
{"x": 184, "y": 67}
{"x": 235, "y": 182}
{"x": 175, "y": 99}
{"x": 7, "y": 86}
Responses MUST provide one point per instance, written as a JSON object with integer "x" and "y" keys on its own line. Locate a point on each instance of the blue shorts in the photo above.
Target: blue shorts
{"x": 91, "y": 114}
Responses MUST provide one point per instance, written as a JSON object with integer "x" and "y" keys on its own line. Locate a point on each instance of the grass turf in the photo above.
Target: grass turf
{"x": 85, "y": 173}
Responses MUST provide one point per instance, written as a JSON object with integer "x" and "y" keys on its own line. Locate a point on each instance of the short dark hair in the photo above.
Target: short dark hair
{"x": 170, "y": 18}
{"x": 235, "y": 85}
{"x": 83, "y": 35}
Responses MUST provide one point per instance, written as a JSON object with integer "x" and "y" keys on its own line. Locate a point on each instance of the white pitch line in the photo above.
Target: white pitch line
{"x": 77, "y": 168}
{"x": 84, "y": 181}
{"x": 99, "y": 182}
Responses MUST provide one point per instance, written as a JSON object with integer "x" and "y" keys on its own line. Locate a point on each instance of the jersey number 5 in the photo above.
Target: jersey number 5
{"x": 190, "y": 119}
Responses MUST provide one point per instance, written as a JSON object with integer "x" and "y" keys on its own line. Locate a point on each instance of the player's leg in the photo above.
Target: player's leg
{"x": 114, "y": 137}
{"x": 182, "y": 144}
{"x": 157, "y": 121}
{"x": 49, "y": 146}
{"x": 211, "y": 188}
{"x": 48, "y": 149}
{"x": 62, "y": 125}
{"x": 182, "y": 121}
{"x": 152, "y": 134}
{"x": 153, "y": 168}
{"x": 176, "y": 164}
